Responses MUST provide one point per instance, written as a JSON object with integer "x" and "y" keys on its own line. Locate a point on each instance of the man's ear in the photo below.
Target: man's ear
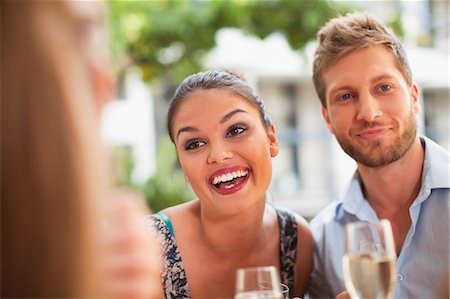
{"x": 327, "y": 119}
{"x": 274, "y": 147}
{"x": 415, "y": 101}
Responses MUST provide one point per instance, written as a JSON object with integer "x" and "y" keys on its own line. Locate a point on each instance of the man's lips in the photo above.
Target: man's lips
{"x": 372, "y": 133}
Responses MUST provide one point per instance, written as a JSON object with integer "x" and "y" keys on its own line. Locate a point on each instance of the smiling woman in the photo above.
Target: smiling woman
{"x": 225, "y": 144}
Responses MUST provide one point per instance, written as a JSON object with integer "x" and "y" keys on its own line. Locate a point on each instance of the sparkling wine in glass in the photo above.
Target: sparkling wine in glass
{"x": 258, "y": 283}
{"x": 370, "y": 269}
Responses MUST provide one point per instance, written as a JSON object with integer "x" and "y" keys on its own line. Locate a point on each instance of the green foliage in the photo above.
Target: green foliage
{"x": 124, "y": 166}
{"x": 167, "y": 39}
{"x": 166, "y": 188}
{"x": 298, "y": 21}
{"x": 395, "y": 23}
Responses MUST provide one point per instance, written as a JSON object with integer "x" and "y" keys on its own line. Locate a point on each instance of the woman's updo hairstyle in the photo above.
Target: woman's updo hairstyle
{"x": 215, "y": 79}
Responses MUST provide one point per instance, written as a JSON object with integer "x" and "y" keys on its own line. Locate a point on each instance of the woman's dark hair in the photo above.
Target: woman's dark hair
{"x": 215, "y": 79}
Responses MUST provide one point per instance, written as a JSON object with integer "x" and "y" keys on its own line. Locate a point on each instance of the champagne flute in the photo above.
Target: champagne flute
{"x": 258, "y": 283}
{"x": 370, "y": 270}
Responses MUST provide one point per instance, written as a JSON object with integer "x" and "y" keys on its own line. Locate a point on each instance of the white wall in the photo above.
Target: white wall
{"x": 129, "y": 122}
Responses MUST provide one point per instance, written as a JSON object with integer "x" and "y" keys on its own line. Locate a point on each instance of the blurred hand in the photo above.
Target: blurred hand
{"x": 343, "y": 295}
{"x": 131, "y": 264}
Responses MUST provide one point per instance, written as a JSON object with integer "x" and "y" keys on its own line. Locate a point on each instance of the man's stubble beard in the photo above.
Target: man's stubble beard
{"x": 381, "y": 154}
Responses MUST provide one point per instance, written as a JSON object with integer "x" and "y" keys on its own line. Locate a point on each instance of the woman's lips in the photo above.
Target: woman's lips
{"x": 229, "y": 180}
{"x": 231, "y": 186}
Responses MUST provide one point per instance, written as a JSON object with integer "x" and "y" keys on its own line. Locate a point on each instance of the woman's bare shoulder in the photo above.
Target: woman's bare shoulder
{"x": 187, "y": 209}
{"x": 183, "y": 217}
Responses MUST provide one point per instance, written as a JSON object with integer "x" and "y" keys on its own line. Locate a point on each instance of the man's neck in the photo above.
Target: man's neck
{"x": 391, "y": 190}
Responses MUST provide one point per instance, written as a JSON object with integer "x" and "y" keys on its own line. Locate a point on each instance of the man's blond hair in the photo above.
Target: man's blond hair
{"x": 348, "y": 33}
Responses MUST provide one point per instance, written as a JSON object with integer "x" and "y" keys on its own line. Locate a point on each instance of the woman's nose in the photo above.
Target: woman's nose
{"x": 218, "y": 153}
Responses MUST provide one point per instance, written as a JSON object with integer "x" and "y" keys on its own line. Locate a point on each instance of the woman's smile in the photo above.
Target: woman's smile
{"x": 229, "y": 180}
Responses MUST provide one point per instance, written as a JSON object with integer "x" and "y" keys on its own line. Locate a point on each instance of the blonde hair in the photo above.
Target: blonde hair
{"x": 354, "y": 31}
{"x": 53, "y": 176}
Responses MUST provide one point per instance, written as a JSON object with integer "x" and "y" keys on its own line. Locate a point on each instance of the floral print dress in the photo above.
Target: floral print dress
{"x": 174, "y": 277}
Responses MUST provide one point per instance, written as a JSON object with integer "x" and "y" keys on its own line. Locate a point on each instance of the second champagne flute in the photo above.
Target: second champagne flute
{"x": 370, "y": 269}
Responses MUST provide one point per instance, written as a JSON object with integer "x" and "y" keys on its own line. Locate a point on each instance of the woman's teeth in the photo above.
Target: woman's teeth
{"x": 229, "y": 176}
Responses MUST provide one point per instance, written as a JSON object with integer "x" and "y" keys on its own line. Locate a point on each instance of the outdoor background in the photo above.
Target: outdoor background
{"x": 156, "y": 44}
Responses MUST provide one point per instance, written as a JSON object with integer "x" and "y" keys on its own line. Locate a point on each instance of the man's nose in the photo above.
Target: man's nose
{"x": 368, "y": 108}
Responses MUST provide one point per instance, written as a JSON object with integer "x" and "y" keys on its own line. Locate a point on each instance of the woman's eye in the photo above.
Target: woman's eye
{"x": 236, "y": 130}
{"x": 191, "y": 145}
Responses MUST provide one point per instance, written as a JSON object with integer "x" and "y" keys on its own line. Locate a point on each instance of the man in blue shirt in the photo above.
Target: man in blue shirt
{"x": 369, "y": 102}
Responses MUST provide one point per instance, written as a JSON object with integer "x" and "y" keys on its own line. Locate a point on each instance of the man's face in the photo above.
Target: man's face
{"x": 370, "y": 107}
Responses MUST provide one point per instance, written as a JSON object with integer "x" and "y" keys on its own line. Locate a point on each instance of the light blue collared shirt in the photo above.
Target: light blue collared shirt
{"x": 423, "y": 264}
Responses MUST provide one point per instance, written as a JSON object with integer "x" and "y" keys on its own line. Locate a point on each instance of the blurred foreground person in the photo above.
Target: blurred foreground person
{"x": 370, "y": 102}
{"x": 64, "y": 232}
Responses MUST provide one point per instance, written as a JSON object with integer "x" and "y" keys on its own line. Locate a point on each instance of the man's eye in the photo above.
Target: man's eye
{"x": 236, "y": 130}
{"x": 345, "y": 97}
{"x": 385, "y": 87}
{"x": 191, "y": 145}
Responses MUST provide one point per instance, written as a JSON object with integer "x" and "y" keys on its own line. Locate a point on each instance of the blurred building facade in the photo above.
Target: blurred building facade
{"x": 128, "y": 123}
{"x": 311, "y": 168}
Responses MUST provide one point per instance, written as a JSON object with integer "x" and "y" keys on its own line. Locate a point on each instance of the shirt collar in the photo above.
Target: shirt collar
{"x": 435, "y": 174}
{"x": 352, "y": 201}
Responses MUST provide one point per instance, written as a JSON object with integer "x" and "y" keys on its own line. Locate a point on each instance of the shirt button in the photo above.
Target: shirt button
{"x": 400, "y": 277}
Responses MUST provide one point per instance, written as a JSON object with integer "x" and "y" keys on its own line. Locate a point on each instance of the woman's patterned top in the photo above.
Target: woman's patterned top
{"x": 173, "y": 278}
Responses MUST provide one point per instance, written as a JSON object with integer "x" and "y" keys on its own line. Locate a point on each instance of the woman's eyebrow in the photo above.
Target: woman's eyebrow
{"x": 186, "y": 129}
{"x": 230, "y": 114}
{"x": 222, "y": 120}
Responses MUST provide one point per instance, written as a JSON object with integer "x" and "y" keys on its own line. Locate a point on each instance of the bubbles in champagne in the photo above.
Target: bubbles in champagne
{"x": 370, "y": 276}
